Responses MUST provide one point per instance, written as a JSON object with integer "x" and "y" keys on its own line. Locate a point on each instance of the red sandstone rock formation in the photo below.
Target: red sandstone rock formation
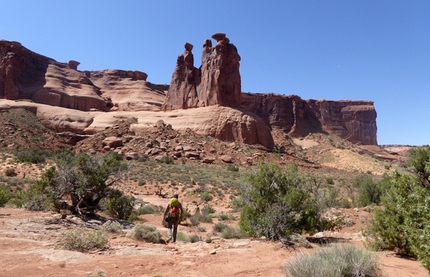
{"x": 220, "y": 82}
{"x": 182, "y": 92}
{"x": 27, "y": 75}
{"x": 354, "y": 121}
{"x": 217, "y": 82}
{"x": 351, "y": 120}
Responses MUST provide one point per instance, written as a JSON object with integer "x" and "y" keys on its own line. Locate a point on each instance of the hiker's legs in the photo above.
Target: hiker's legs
{"x": 175, "y": 229}
{"x": 170, "y": 224}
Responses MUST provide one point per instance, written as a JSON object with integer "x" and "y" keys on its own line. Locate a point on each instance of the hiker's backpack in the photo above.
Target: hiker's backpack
{"x": 174, "y": 207}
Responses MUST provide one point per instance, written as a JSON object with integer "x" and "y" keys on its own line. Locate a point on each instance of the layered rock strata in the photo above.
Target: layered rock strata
{"x": 354, "y": 121}
{"x": 101, "y": 98}
{"x": 28, "y": 75}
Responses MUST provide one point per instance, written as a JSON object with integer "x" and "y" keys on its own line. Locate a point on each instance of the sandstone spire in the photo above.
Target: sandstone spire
{"x": 216, "y": 82}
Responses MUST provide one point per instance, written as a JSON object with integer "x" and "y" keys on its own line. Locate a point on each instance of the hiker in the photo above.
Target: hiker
{"x": 173, "y": 215}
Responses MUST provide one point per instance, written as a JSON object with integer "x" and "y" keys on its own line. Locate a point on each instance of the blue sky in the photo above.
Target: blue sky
{"x": 322, "y": 49}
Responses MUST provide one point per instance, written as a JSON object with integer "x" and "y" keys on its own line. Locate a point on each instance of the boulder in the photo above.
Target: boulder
{"x": 131, "y": 156}
{"x": 208, "y": 160}
{"x": 112, "y": 142}
{"x": 226, "y": 158}
{"x": 192, "y": 154}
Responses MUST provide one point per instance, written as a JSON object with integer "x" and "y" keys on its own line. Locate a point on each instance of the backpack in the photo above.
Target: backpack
{"x": 174, "y": 207}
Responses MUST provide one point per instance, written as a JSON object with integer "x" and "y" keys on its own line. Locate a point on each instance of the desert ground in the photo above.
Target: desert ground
{"x": 28, "y": 248}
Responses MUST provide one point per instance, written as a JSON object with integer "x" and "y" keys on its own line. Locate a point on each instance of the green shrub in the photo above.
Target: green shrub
{"x": 34, "y": 156}
{"x": 232, "y": 168}
{"x": 146, "y": 209}
{"x": 227, "y": 232}
{"x": 145, "y": 232}
{"x": 180, "y": 236}
{"x": 10, "y": 172}
{"x": 369, "y": 192}
{"x": 208, "y": 209}
{"x": 231, "y": 233}
{"x": 329, "y": 180}
{"x": 195, "y": 220}
{"x": 35, "y": 199}
{"x": 5, "y": 195}
{"x": 144, "y": 158}
{"x": 206, "y": 197}
{"x": 219, "y": 227}
{"x": 334, "y": 261}
{"x": 402, "y": 223}
{"x": 82, "y": 240}
{"x": 224, "y": 216}
{"x": 86, "y": 180}
{"x": 17, "y": 199}
{"x": 275, "y": 204}
{"x": 205, "y": 215}
{"x": 119, "y": 205}
{"x": 194, "y": 238}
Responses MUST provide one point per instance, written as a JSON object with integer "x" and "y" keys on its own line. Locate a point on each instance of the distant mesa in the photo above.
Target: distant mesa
{"x": 206, "y": 99}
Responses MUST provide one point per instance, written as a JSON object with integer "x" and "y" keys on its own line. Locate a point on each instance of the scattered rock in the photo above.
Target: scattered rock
{"x": 226, "y": 159}
{"x": 112, "y": 142}
{"x": 208, "y": 160}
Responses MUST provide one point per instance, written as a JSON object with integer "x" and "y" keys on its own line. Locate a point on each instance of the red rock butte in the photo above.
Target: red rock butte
{"x": 207, "y": 99}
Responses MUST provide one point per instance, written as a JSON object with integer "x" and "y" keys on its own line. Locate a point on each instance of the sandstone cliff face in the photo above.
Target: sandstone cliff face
{"x": 354, "y": 121}
{"x": 104, "y": 97}
{"x": 27, "y": 75}
{"x": 351, "y": 120}
{"x": 128, "y": 90}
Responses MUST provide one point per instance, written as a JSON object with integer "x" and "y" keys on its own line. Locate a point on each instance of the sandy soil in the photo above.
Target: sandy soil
{"x": 27, "y": 243}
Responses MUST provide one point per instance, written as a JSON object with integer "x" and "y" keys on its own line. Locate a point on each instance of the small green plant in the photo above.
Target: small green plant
{"x": 232, "y": 168}
{"x": 10, "y": 172}
{"x": 145, "y": 232}
{"x": 329, "y": 181}
{"x": 227, "y": 232}
{"x": 82, "y": 240}
{"x": 218, "y": 227}
{"x": 146, "y": 209}
{"x": 182, "y": 237}
{"x": 334, "y": 261}
{"x": 194, "y": 238}
{"x": 143, "y": 158}
{"x": 206, "y": 197}
{"x": 223, "y": 216}
{"x": 62, "y": 264}
{"x": 5, "y": 195}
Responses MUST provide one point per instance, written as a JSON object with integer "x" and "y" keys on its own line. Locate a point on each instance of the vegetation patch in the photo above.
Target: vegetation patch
{"x": 82, "y": 240}
{"x": 145, "y": 232}
{"x": 334, "y": 261}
